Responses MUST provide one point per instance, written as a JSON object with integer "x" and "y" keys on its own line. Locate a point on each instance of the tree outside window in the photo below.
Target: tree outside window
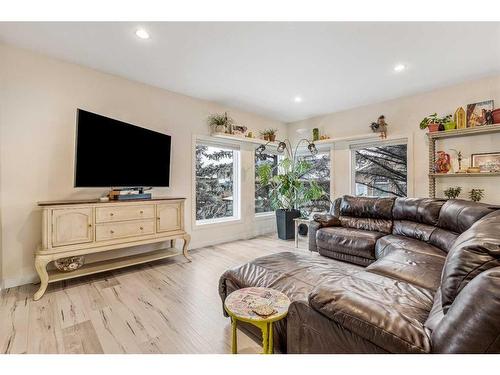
{"x": 381, "y": 171}
{"x": 215, "y": 185}
{"x": 320, "y": 173}
{"x": 262, "y": 193}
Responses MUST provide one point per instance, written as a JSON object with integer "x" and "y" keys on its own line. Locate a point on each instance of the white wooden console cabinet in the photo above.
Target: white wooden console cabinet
{"x": 72, "y": 228}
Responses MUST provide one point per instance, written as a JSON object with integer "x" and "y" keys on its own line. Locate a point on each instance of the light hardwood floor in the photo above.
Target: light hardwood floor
{"x": 168, "y": 306}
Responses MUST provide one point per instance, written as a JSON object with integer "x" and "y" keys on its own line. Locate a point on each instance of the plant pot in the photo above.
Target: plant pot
{"x": 496, "y": 116}
{"x": 272, "y": 137}
{"x": 315, "y": 134}
{"x": 266, "y": 137}
{"x": 450, "y": 126}
{"x": 433, "y": 127}
{"x": 285, "y": 224}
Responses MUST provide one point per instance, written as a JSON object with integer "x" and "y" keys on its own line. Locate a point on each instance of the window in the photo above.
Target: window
{"x": 217, "y": 190}
{"x": 380, "y": 170}
{"x": 262, "y": 201}
{"x": 320, "y": 173}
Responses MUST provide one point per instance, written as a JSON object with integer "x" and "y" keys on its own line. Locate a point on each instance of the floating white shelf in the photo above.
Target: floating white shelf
{"x": 259, "y": 141}
{"x": 482, "y": 174}
{"x": 495, "y": 128}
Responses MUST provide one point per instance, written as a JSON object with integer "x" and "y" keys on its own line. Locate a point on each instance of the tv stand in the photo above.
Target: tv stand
{"x": 74, "y": 228}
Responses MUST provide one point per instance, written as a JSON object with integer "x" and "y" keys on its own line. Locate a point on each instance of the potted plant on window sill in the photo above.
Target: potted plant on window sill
{"x": 288, "y": 192}
{"x": 434, "y": 123}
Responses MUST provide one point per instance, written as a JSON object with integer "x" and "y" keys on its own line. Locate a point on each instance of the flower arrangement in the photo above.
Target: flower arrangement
{"x": 452, "y": 192}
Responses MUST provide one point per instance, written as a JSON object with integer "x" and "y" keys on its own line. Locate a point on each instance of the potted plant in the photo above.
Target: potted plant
{"x": 452, "y": 192}
{"x": 496, "y": 116}
{"x": 220, "y": 123}
{"x": 434, "y": 122}
{"x": 476, "y": 195}
{"x": 288, "y": 192}
{"x": 269, "y": 134}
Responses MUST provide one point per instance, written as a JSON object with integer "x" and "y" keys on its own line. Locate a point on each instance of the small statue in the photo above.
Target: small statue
{"x": 380, "y": 127}
{"x": 443, "y": 164}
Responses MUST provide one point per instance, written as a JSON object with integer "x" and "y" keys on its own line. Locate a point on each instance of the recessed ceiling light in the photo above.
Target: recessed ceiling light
{"x": 297, "y": 99}
{"x": 141, "y": 33}
{"x": 399, "y": 67}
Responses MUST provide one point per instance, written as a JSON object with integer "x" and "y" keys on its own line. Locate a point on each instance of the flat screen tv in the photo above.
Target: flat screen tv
{"x": 112, "y": 153}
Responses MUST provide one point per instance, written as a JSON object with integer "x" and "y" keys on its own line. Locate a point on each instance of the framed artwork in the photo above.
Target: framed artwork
{"x": 478, "y": 113}
{"x": 487, "y": 162}
{"x": 460, "y": 118}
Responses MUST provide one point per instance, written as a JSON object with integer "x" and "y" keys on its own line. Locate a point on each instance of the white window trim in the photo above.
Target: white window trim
{"x": 236, "y": 218}
{"x": 393, "y": 141}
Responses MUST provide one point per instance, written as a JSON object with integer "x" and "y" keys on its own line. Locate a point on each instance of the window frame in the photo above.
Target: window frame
{"x": 236, "y": 217}
{"x": 390, "y": 142}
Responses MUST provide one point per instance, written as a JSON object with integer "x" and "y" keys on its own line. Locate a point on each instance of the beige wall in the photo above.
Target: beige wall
{"x": 403, "y": 116}
{"x": 39, "y": 97}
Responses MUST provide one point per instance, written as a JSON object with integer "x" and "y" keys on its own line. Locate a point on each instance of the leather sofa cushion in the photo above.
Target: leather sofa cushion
{"x": 357, "y": 242}
{"x": 444, "y": 239}
{"x": 380, "y": 225}
{"x": 474, "y": 251}
{"x": 472, "y": 324}
{"x": 388, "y": 244}
{"x": 387, "y": 312}
{"x": 419, "y": 269}
{"x": 374, "y": 208}
{"x": 419, "y": 210}
{"x": 458, "y": 215}
{"x": 291, "y": 273}
{"x": 413, "y": 229}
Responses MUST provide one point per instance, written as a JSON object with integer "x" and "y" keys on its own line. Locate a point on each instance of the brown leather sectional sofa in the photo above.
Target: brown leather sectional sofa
{"x": 398, "y": 275}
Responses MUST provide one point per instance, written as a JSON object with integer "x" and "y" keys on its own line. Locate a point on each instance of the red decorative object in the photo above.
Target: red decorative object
{"x": 443, "y": 163}
{"x": 496, "y": 116}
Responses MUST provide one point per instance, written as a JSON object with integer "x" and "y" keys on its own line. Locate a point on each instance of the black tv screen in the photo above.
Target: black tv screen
{"x": 112, "y": 153}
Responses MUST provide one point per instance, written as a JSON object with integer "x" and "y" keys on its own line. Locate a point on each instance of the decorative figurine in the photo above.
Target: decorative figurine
{"x": 459, "y": 158}
{"x": 459, "y": 118}
{"x": 442, "y": 164}
{"x": 380, "y": 127}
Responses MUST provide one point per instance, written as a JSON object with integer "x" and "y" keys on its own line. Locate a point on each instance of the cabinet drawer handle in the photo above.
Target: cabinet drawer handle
{"x": 111, "y": 214}
{"x": 141, "y": 228}
{"x": 141, "y": 212}
{"x": 90, "y": 225}
{"x": 111, "y": 231}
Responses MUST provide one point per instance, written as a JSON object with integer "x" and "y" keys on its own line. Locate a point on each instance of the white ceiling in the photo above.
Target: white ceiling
{"x": 261, "y": 67}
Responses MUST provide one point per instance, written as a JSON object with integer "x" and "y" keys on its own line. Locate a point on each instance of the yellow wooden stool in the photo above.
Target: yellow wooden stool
{"x": 240, "y": 306}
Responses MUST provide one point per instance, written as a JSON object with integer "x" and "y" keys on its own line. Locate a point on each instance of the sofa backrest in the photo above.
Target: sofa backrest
{"x": 455, "y": 217}
{"x": 416, "y": 217}
{"x": 374, "y": 214}
{"x": 469, "y": 292}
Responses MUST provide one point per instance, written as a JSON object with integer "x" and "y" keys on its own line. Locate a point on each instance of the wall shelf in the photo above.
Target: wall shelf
{"x": 482, "y": 174}
{"x": 486, "y": 129}
{"x": 243, "y": 139}
{"x": 467, "y": 132}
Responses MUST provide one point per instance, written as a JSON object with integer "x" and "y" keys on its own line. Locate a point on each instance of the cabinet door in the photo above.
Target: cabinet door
{"x": 71, "y": 226}
{"x": 169, "y": 217}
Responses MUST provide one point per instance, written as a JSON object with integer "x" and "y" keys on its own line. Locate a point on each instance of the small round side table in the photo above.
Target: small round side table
{"x": 240, "y": 304}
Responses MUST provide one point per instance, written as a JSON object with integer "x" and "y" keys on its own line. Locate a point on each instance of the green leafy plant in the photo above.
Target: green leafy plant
{"x": 476, "y": 194}
{"x": 434, "y": 119}
{"x": 217, "y": 120}
{"x": 287, "y": 190}
{"x": 269, "y": 132}
{"x": 452, "y": 192}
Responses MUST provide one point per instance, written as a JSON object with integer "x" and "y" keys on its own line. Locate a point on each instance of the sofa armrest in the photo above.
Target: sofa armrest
{"x": 373, "y": 308}
{"x": 326, "y": 220}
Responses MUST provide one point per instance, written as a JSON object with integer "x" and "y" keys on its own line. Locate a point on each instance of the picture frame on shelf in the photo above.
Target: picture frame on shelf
{"x": 477, "y": 113}
{"x": 459, "y": 118}
{"x": 488, "y": 162}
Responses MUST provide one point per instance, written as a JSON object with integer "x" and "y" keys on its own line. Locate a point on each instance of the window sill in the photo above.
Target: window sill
{"x": 201, "y": 224}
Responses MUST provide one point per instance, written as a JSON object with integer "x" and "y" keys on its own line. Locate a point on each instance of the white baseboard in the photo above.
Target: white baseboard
{"x": 21, "y": 280}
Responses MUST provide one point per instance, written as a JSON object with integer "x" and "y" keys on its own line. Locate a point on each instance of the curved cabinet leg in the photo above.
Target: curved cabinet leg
{"x": 41, "y": 269}
{"x": 186, "y": 238}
